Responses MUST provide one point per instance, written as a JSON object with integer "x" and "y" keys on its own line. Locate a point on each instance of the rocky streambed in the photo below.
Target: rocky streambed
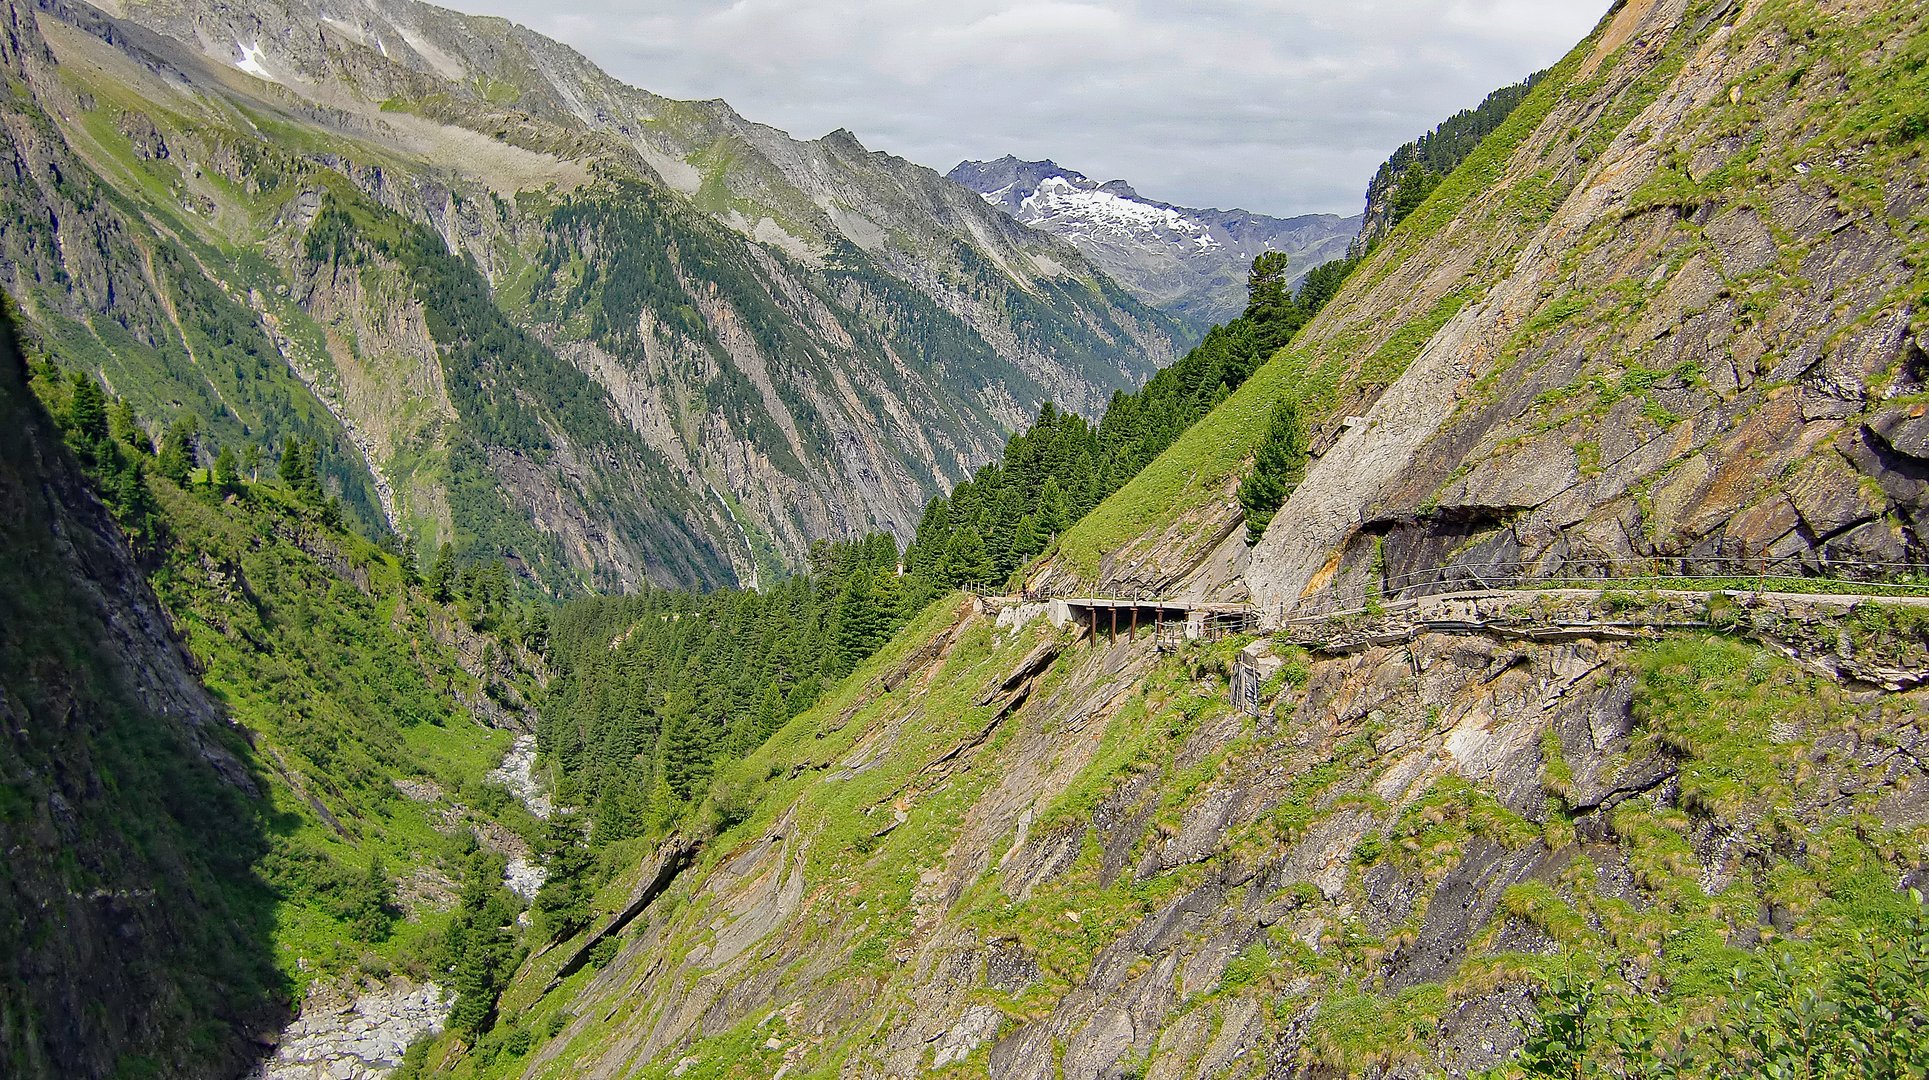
{"x": 518, "y": 773}
{"x": 345, "y": 1035}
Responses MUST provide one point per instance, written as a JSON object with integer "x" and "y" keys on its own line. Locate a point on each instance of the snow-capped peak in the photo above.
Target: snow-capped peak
{"x": 1189, "y": 261}
{"x": 1098, "y": 210}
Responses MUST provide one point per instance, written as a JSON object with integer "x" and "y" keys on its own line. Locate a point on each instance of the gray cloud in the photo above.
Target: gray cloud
{"x": 1278, "y": 106}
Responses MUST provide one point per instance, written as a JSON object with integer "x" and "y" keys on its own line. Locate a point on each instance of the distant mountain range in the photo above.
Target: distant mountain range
{"x": 1188, "y": 261}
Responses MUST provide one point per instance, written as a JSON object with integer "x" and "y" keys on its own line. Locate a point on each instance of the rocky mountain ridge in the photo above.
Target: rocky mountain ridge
{"x": 699, "y": 306}
{"x": 1192, "y": 262}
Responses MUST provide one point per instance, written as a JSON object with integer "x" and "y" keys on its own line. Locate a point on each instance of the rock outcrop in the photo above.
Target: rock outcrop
{"x": 1688, "y": 357}
{"x": 1102, "y": 867}
{"x": 133, "y": 932}
{"x": 1617, "y": 332}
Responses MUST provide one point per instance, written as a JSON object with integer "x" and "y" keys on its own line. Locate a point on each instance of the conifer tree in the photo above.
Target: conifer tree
{"x": 87, "y": 410}
{"x": 227, "y": 471}
{"x": 126, "y": 428}
{"x": 689, "y": 739}
{"x": 1279, "y": 467}
{"x": 371, "y": 903}
{"x": 297, "y": 470}
{"x": 480, "y": 948}
{"x": 562, "y": 904}
{"x": 1053, "y": 515}
{"x": 966, "y": 562}
{"x": 662, "y": 807}
{"x": 177, "y": 457}
{"x": 135, "y": 509}
{"x": 1027, "y": 540}
{"x": 860, "y": 619}
{"x": 619, "y": 810}
{"x": 771, "y": 713}
{"x": 442, "y": 574}
{"x": 1415, "y": 186}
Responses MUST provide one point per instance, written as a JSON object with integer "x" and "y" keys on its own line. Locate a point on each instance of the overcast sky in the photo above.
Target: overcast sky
{"x": 1277, "y": 106}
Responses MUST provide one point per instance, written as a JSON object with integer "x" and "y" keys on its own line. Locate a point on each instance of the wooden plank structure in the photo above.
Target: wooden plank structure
{"x": 1171, "y": 621}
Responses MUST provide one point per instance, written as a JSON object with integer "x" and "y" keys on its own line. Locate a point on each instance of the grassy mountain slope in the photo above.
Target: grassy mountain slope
{"x": 1411, "y": 173}
{"x": 1617, "y": 320}
{"x": 377, "y": 715}
{"x": 250, "y": 770}
{"x": 1002, "y": 849}
{"x": 465, "y": 263}
{"x": 1013, "y": 853}
{"x": 135, "y": 936}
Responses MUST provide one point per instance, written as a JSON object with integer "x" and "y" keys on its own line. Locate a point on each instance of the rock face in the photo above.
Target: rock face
{"x": 520, "y": 306}
{"x": 1104, "y": 869}
{"x": 1615, "y": 333}
{"x": 357, "y": 1037}
{"x": 1681, "y": 356}
{"x": 131, "y": 926}
{"x": 1190, "y": 262}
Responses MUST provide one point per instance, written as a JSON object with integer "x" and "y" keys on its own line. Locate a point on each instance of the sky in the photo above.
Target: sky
{"x": 1276, "y": 106}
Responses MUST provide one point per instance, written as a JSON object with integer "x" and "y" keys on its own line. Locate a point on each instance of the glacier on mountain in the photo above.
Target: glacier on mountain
{"x": 1188, "y": 261}
{"x": 1099, "y": 210}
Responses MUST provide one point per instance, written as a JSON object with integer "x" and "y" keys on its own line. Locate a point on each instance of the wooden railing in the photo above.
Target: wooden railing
{"x": 1757, "y": 575}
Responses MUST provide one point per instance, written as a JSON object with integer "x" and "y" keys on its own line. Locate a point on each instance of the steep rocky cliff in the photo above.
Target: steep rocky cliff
{"x": 1010, "y": 850}
{"x": 1668, "y": 312}
{"x": 250, "y": 766}
{"x": 135, "y": 937}
{"x": 523, "y": 308}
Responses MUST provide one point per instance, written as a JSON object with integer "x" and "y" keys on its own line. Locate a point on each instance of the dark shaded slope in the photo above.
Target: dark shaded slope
{"x": 133, "y": 934}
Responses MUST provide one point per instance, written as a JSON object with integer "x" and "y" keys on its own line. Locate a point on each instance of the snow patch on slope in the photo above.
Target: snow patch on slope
{"x": 250, "y": 61}
{"x": 995, "y": 198}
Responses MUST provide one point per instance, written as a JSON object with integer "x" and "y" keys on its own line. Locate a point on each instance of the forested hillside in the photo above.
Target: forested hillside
{"x": 1406, "y": 178}
{"x": 502, "y": 318}
{"x": 324, "y": 823}
{"x": 656, "y": 689}
{"x": 1063, "y": 467}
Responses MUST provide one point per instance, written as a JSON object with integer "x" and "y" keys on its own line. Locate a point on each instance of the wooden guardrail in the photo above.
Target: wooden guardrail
{"x": 1711, "y": 573}
{"x": 1759, "y": 575}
